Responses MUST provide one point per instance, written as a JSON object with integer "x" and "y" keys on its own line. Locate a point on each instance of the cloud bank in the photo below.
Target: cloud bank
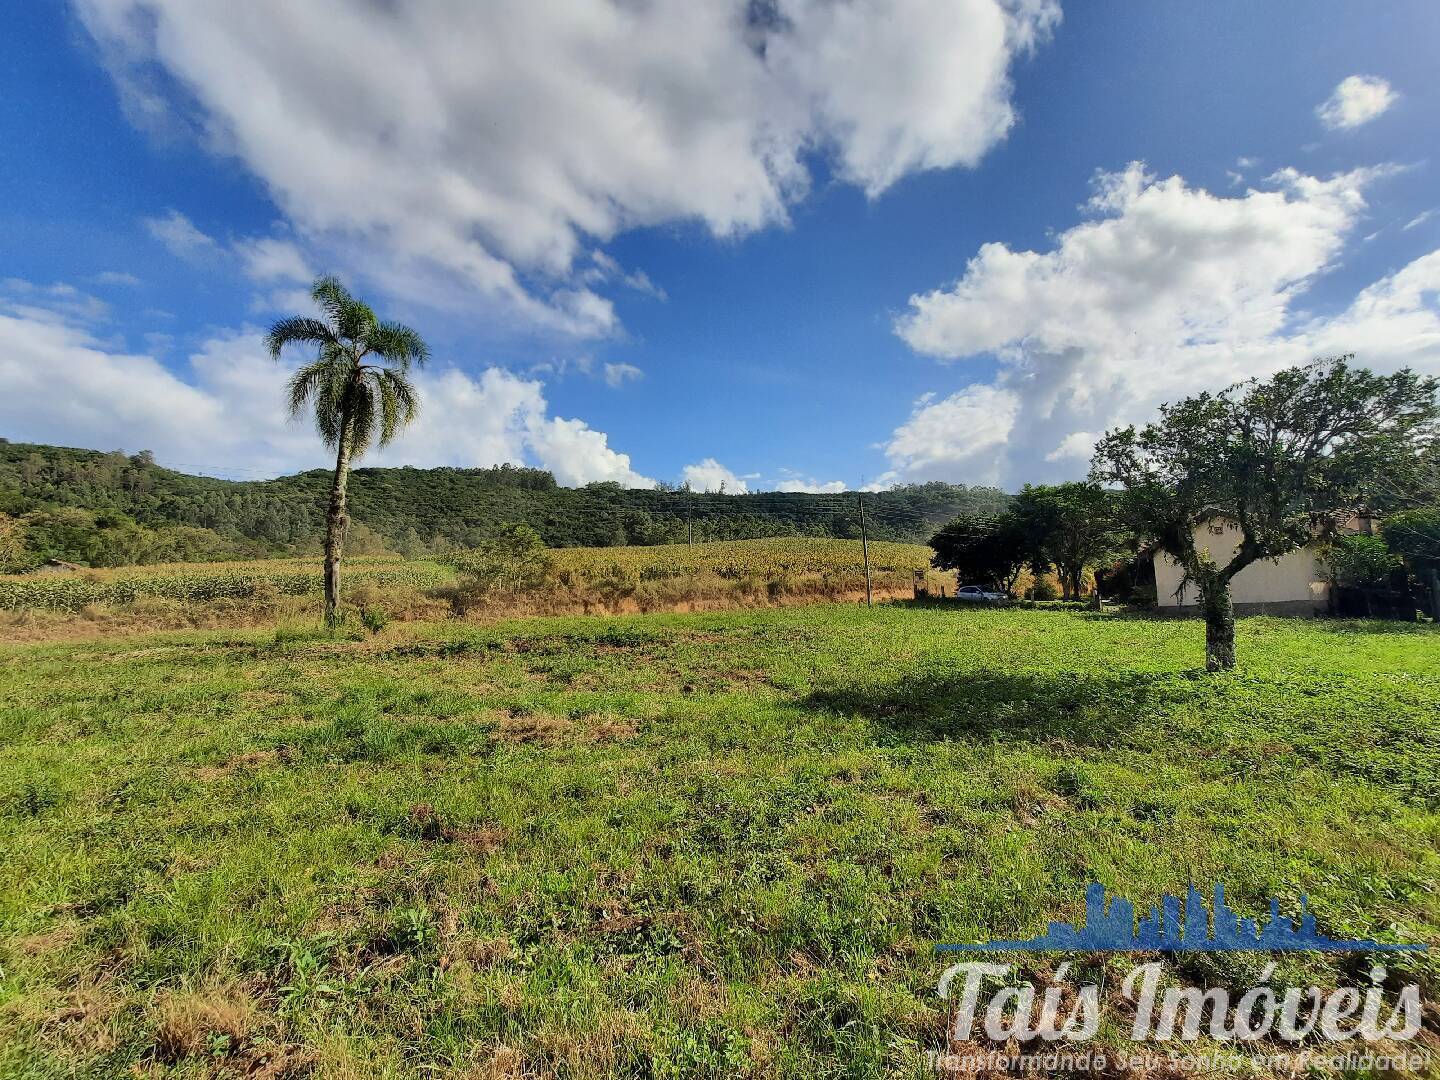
{"x": 1165, "y": 290}
{"x": 60, "y": 383}
{"x": 710, "y": 475}
{"x": 483, "y": 147}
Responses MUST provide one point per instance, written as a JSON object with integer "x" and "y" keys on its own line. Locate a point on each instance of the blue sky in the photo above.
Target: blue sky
{"x": 794, "y": 287}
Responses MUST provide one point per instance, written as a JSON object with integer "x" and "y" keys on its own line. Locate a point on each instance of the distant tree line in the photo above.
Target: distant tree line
{"x": 113, "y": 509}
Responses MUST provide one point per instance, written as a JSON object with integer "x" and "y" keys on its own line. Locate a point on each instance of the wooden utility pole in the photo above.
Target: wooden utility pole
{"x": 865, "y": 550}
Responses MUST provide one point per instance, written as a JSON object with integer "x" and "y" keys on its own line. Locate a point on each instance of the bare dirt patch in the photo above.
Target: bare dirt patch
{"x": 534, "y": 728}
{"x": 253, "y": 759}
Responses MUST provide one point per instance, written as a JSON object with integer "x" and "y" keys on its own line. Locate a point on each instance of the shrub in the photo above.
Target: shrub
{"x": 1364, "y": 562}
{"x": 1044, "y": 589}
{"x": 513, "y": 559}
{"x": 1415, "y": 534}
{"x": 614, "y": 584}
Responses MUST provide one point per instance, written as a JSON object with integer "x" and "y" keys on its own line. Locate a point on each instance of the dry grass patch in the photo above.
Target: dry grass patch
{"x": 496, "y": 1063}
{"x": 483, "y": 839}
{"x": 614, "y": 729}
{"x": 56, "y": 939}
{"x": 542, "y": 728}
{"x": 216, "y": 1023}
{"x": 253, "y": 759}
{"x": 595, "y": 1051}
{"x": 80, "y": 1024}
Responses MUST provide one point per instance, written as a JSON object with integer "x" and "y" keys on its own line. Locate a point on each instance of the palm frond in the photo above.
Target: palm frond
{"x": 303, "y": 386}
{"x": 350, "y": 399}
{"x": 361, "y": 408}
{"x": 297, "y": 330}
{"x": 398, "y": 403}
{"x": 330, "y": 296}
{"x": 357, "y": 322}
{"x": 398, "y": 344}
{"x": 317, "y": 382}
{"x": 353, "y": 319}
{"x": 385, "y": 399}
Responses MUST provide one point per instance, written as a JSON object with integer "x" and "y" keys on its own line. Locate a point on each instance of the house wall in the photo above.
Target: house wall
{"x": 1293, "y": 584}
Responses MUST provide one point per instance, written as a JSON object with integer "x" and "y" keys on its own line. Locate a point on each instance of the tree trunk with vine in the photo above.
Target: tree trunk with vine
{"x": 1219, "y": 612}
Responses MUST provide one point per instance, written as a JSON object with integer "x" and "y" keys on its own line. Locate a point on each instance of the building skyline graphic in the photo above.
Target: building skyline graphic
{"x": 1174, "y": 925}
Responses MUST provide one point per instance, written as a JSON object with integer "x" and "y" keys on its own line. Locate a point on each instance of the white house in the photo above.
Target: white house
{"x": 1294, "y": 584}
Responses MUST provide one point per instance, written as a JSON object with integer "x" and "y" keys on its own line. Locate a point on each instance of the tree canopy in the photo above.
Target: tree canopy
{"x": 1070, "y": 526}
{"x": 372, "y": 400}
{"x": 1283, "y": 459}
{"x": 984, "y": 549}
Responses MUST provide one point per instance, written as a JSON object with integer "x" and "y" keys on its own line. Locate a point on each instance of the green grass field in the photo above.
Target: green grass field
{"x": 667, "y": 846}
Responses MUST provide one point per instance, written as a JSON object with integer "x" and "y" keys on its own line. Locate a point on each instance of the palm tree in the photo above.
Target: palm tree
{"x": 354, "y": 401}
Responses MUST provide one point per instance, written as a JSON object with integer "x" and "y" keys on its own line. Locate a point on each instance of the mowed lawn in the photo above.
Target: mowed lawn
{"x": 666, "y": 846}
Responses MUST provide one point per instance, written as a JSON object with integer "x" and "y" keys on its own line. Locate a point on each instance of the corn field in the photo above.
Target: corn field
{"x": 772, "y": 558}
{"x": 618, "y": 570}
{"x": 203, "y": 582}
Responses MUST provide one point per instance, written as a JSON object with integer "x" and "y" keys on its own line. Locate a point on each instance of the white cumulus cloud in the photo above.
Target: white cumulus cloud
{"x": 482, "y": 146}
{"x": 794, "y": 482}
{"x": 223, "y": 410}
{"x": 268, "y": 259}
{"x": 956, "y": 437}
{"x": 1164, "y": 290}
{"x": 709, "y": 475}
{"x": 1357, "y": 100}
{"x": 578, "y": 454}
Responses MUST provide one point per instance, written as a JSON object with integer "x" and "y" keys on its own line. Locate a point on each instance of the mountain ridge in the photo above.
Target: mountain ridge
{"x": 70, "y": 497}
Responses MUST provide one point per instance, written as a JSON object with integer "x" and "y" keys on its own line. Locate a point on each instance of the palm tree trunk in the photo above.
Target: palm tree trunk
{"x": 335, "y": 523}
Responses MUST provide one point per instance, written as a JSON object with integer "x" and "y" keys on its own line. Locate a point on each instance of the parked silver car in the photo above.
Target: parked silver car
{"x": 976, "y": 593}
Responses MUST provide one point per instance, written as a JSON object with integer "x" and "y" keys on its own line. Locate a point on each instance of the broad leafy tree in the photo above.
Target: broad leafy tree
{"x": 1284, "y": 460}
{"x": 1414, "y": 535}
{"x": 1072, "y": 526}
{"x": 983, "y": 549}
{"x": 358, "y": 388}
{"x": 14, "y": 550}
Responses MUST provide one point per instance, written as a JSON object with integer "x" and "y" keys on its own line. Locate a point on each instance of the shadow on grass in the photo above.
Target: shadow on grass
{"x": 1326, "y": 623}
{"x": 1371, "y": 626}
{"x": 1073, "y": 608}
{"x": 988, "y": 704}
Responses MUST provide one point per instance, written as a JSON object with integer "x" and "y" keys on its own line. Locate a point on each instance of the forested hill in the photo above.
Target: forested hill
{"x": 69, "y": 499}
